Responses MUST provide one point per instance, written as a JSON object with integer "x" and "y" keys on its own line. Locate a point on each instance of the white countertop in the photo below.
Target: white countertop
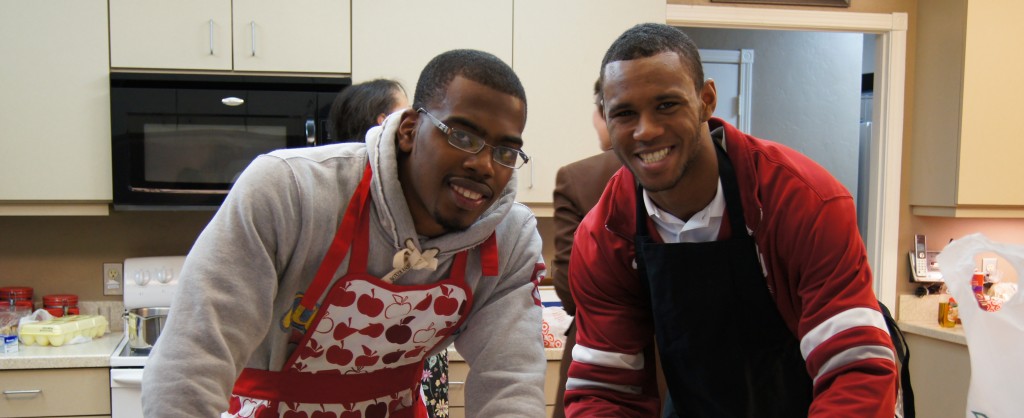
{"x": 933, "y": 330}
{"x": 95, "y": 353}
{"x": 919, "y": 315}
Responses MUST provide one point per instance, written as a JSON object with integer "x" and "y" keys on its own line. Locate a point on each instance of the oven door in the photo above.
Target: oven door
{"x": 126, "y": 392}
{"x": 185, "y": 147}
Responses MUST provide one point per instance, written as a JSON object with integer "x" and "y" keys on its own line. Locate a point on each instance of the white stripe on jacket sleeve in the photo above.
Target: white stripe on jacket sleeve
{"x": 608, "y": 359}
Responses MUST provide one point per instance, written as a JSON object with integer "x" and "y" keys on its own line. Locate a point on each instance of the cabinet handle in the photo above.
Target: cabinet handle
{"x": 310, "y": 132}
{"x": 455, "y": 383}
{"x": 23, "y": 392}
{"x": 531, "y": 175}
{"x": 252, "y": 34}
{"x": 211, "y": 36}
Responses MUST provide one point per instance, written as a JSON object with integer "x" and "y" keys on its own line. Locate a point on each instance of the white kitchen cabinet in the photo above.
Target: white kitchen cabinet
{"x": 396, "y": 38}
{"x": 55, "y": 392}
{"x": 965, "y": 157}
{"x": 302, "y": 36}
{"x": 55, "y": 108}
{"x": 940, "y": 374}
{"x": 557, "y": 52}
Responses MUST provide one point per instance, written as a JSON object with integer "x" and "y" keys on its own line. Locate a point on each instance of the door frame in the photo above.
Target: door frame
{"x": 744, "y": 61}
{"x": 890, "y": 79}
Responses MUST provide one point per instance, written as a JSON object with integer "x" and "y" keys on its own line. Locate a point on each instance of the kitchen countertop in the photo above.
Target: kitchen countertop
{"x": 919, "y": 315}
{"x": 95, "y": 353}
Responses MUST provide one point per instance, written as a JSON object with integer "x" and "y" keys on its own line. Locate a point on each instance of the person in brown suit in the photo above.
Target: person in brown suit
{"x": 578, "y": 186}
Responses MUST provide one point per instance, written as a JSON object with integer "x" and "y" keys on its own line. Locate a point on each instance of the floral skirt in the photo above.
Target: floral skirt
{"x": 435, "y": 385}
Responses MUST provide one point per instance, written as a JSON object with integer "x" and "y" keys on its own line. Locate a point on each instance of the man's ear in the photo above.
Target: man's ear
{"x": 709, "y": 99}
{"x": 406, "y": 134}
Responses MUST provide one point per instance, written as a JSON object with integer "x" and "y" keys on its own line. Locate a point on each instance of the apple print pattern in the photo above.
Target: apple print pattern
{"x": 373, "y": 326}
{"x": 373, "y": 408}
{"x": 369, "y": 326}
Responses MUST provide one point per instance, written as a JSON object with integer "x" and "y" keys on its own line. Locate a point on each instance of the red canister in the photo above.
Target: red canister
{"x": 14, "y": 294}
{"x": 64, "y": 304}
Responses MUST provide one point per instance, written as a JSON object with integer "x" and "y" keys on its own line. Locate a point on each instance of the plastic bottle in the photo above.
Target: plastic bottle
{"x": 952, "y": 314}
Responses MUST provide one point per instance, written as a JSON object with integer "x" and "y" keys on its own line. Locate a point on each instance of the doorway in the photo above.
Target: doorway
{"x": 885, "y": 148}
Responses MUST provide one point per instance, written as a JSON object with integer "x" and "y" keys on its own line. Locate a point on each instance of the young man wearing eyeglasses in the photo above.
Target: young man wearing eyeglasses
{"x": 330, "y": 273}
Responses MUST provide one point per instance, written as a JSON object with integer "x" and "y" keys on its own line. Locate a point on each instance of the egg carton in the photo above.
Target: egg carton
{"x": 58, "y": 331}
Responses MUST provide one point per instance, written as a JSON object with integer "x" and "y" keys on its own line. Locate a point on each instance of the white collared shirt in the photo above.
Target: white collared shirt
{"x": 703, "y": 226}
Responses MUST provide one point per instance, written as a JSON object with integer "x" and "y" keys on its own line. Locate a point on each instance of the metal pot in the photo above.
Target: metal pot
{"x": 143, "y": 326}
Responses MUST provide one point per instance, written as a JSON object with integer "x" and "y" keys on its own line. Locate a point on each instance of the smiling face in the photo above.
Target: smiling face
{"x": 657, "y": 122}
{"x": 447, "y": 189}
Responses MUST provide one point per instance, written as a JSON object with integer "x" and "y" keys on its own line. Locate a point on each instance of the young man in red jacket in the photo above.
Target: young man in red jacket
{"x": 739, "y": 256}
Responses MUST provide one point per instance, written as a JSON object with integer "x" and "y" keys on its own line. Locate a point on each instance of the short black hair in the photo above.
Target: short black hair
{"x": 478, "y": 66}
{"x": 650, "y": 39}
{"x": 355, "y": 109}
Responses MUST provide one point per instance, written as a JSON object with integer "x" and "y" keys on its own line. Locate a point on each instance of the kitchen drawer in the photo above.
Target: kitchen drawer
{"x": 55, "y": 392}
{"x": 458, "y": 370}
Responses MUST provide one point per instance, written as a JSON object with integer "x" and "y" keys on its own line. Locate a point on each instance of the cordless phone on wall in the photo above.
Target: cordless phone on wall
{"x": 923, "y": 267}
{"x": 920, "y": 256}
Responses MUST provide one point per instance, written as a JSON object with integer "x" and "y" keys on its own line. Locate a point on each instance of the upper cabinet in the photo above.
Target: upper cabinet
{"x": 964, "y": 160}
{"x": 302, "y": 36}
{"x": 55, "y": 108}
{"x": 396, "y": 38}
{"x": 554, "y": 47}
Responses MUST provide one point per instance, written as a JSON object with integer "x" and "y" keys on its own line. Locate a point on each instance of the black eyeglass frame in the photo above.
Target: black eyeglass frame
{"x": 474, "y": 139}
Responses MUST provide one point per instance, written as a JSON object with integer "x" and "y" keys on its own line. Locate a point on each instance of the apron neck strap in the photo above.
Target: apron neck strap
{"x": 341, "y": 243}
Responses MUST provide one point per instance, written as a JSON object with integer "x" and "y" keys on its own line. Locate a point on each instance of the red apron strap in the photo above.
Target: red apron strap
{"x": 327, "y": 388}
{"x": 338, "y": 249}
{"x": 489, "y": 255}
{"x": 361, "y": 245}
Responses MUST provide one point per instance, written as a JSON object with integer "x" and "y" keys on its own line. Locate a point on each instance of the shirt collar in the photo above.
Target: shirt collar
{"x": 701, "y": 219}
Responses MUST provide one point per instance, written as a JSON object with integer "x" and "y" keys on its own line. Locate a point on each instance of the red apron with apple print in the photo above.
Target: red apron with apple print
{"x": 362, "y": 354}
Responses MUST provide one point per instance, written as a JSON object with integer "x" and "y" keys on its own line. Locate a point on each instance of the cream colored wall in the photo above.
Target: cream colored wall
{"x": 65, "y": 254}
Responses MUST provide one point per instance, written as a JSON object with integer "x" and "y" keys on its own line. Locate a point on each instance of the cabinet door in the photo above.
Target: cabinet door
{"x": 181, "y": 34}
{"x": 991, "y": 154}
{"x": 293, "y": 36}
{"x": 396, "y": 38}
{"x": 558, "y": 47}
{"x": 55, "y": 106}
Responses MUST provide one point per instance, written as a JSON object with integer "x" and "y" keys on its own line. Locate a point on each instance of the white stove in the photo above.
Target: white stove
{"x": 149, "y": 282}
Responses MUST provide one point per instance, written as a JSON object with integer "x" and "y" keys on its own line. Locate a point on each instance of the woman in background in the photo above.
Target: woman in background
{"x": 359, "y": 107}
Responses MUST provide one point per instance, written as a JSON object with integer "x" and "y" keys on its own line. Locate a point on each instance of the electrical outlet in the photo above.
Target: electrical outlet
{"x": 989, "y": 265}
{"x": 113, "y": 279}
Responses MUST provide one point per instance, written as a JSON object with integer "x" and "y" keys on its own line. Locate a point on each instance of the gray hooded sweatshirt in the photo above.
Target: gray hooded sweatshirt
{"x": 265, "y": 244}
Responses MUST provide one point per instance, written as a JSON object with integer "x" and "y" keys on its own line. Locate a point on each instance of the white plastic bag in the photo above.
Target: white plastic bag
{"x": 995, "y": 336}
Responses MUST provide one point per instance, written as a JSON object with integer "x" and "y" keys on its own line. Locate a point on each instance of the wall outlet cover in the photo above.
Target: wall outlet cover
{"x": 113, "y": 279}
{"x": 989, "y": 265}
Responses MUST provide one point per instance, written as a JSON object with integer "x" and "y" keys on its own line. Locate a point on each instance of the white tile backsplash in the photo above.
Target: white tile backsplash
{"x": 113, "y": 311}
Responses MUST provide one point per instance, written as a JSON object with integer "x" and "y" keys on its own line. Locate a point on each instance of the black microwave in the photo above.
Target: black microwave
{"x": 180, "y": 140}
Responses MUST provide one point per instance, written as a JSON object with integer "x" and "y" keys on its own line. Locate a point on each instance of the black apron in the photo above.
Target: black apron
{"x": 724, "y": 348}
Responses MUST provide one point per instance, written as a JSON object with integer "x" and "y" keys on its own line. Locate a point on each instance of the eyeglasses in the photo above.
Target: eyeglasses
{"x": 508, "y": 157}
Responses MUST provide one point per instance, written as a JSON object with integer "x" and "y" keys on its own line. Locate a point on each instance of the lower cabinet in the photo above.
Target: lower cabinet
{"x": 55, "y": 393}
{"x": 940, "y": 373}
{"x": 458, "y": 370}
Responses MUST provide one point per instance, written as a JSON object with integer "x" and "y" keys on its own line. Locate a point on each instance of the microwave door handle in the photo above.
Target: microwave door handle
{"x": 310, "y": 132}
